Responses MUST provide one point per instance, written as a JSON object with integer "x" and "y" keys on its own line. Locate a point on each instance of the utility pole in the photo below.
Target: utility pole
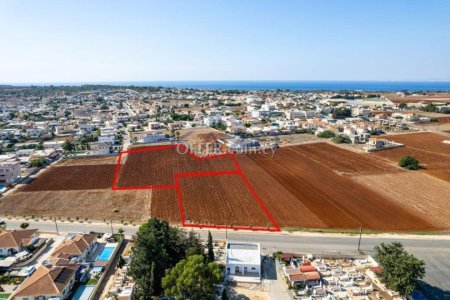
{"x": 112, "y": 230}
{"x": 360, "y": 235}
{"x": 56, "y": 225}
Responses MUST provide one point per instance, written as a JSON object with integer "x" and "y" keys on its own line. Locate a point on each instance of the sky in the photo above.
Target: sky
{"x": 169, "y": 40}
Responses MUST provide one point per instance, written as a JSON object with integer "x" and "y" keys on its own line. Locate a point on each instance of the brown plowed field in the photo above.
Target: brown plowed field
{"x": 221, "y": 200}
{"x": 342, "y": 160}
{"x": 443, "y": 174}
{"x": 427, "y": 147}
{"x": 439, "y": 97}
{"x": 302, "y": 186}
{"x": 165, "y": 205}
{"x": 96, "y": 160}
{"x": 425, "y": 141}
{"x": 335, "y": 200}
{"x": 158, "y": 167}
{"x": 428, "y": 160}
{"x": 91, "y": 204}
{"x": 78, "y": 177}
{"x": 417, "y": 191}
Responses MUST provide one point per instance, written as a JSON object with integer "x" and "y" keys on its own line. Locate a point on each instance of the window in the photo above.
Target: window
{"x": 253, "y": 268}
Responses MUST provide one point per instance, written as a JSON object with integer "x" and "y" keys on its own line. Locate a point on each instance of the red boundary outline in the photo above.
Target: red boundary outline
{"x": 177, "y": 185}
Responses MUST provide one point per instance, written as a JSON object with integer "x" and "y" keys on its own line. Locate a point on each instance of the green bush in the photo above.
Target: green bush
{"x": 37, "y": 162}
{"x": 342, "y": 139}
{"x": 327, "y": 134}
{"x": 409, "y": 162}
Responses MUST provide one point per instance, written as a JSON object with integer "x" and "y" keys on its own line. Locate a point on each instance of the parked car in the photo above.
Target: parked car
{"x": 2, "y": 222}
{"x": 29, "y": 270}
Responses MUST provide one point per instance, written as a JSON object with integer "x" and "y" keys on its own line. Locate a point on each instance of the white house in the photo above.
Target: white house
{"x": 9, "y": 171}
{"x": 100, "y": 148}
{"x": 15, "y": 241}
{"x": 107, "y": 138}
{"x": 151, "y": 138}
{"x": 243, "y": 261}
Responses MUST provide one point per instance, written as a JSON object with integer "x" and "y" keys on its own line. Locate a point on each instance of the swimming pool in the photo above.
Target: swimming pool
{"x": 83, "y": 292}
{"x": 106, "y": 254}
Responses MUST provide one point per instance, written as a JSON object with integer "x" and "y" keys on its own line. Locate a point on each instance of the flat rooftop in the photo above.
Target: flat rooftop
{"x": 243, "y": 253}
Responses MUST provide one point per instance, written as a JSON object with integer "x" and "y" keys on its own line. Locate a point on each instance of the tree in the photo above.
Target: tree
{"x": 224, "y": 294}
{"x": 342, "y": 113}
{"x": 402, "y": 105}
{"x": 158, "y": 248}
{"x": 342, "y": 139}
{"x": 191, "y": 243}
{"x": 68, "y": 146}
{"x": 192, "y": 278}
{"x": 409, "y": 162}
{"x": 326, "y": 134}
{"x": 24, "y": 225}
{"x": 400, "y": 270}
{"x": 210, "y": 256}
{"x": 39, "y": 146}
{"x": 120, "y": 262}
{"x": 37, "y": 162}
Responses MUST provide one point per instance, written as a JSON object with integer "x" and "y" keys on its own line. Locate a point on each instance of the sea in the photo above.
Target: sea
{"x": 369, "y": 86}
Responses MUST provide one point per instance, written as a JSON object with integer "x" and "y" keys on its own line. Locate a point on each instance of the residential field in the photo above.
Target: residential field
{"x": 315, "y": 185}
{"x": 430, "y": 97}
{"x": 427, "y": 147}
{"x": 431, "y": 203}
{"x": 221, "y": 200}
{"x": 157, "y": 167}
{"x": 336, "y": 200}
{"x": 341, "y": 160}
{"x": 73, "y": 177}
{"x": 103, "y": 204}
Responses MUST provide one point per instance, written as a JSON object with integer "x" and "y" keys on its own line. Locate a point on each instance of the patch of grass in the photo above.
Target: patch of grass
{"x": 92, "y": 281}
{"x": 2, "y": 295}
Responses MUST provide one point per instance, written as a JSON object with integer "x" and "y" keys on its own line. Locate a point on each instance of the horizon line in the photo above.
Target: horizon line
{"x": 114, "y": 82}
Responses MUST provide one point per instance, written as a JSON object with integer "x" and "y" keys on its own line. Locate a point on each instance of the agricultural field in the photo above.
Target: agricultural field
{"x": 430, "y": 203}
{"x": 102, "y": 204}
{"x": 341, "y": 161}
{"x": 313, "y": 185}
{"x": 157, "y": 168}
{"x": 222, "y": 199}
{"x": 337, "y": 201}
{"x": 429, "y": 97}
{"x": 427, "y": 147}
{"x": 425, "y": 141}
{"x": 76, "y": 177}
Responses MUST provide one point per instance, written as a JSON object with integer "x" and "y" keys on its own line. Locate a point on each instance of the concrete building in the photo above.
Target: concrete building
{"x": 151, "y": 138}
{"x": 100, "y": 148}
{"x": 9, "y": 171}
{"x": 243, "y": 261}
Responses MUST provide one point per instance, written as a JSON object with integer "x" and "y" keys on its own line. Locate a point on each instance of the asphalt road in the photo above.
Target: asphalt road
{"x": 434, "y": 251}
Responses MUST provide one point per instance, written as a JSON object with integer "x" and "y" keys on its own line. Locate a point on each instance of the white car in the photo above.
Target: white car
{"x": 2, "y": 222}
{"x": 29, "y": 270}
